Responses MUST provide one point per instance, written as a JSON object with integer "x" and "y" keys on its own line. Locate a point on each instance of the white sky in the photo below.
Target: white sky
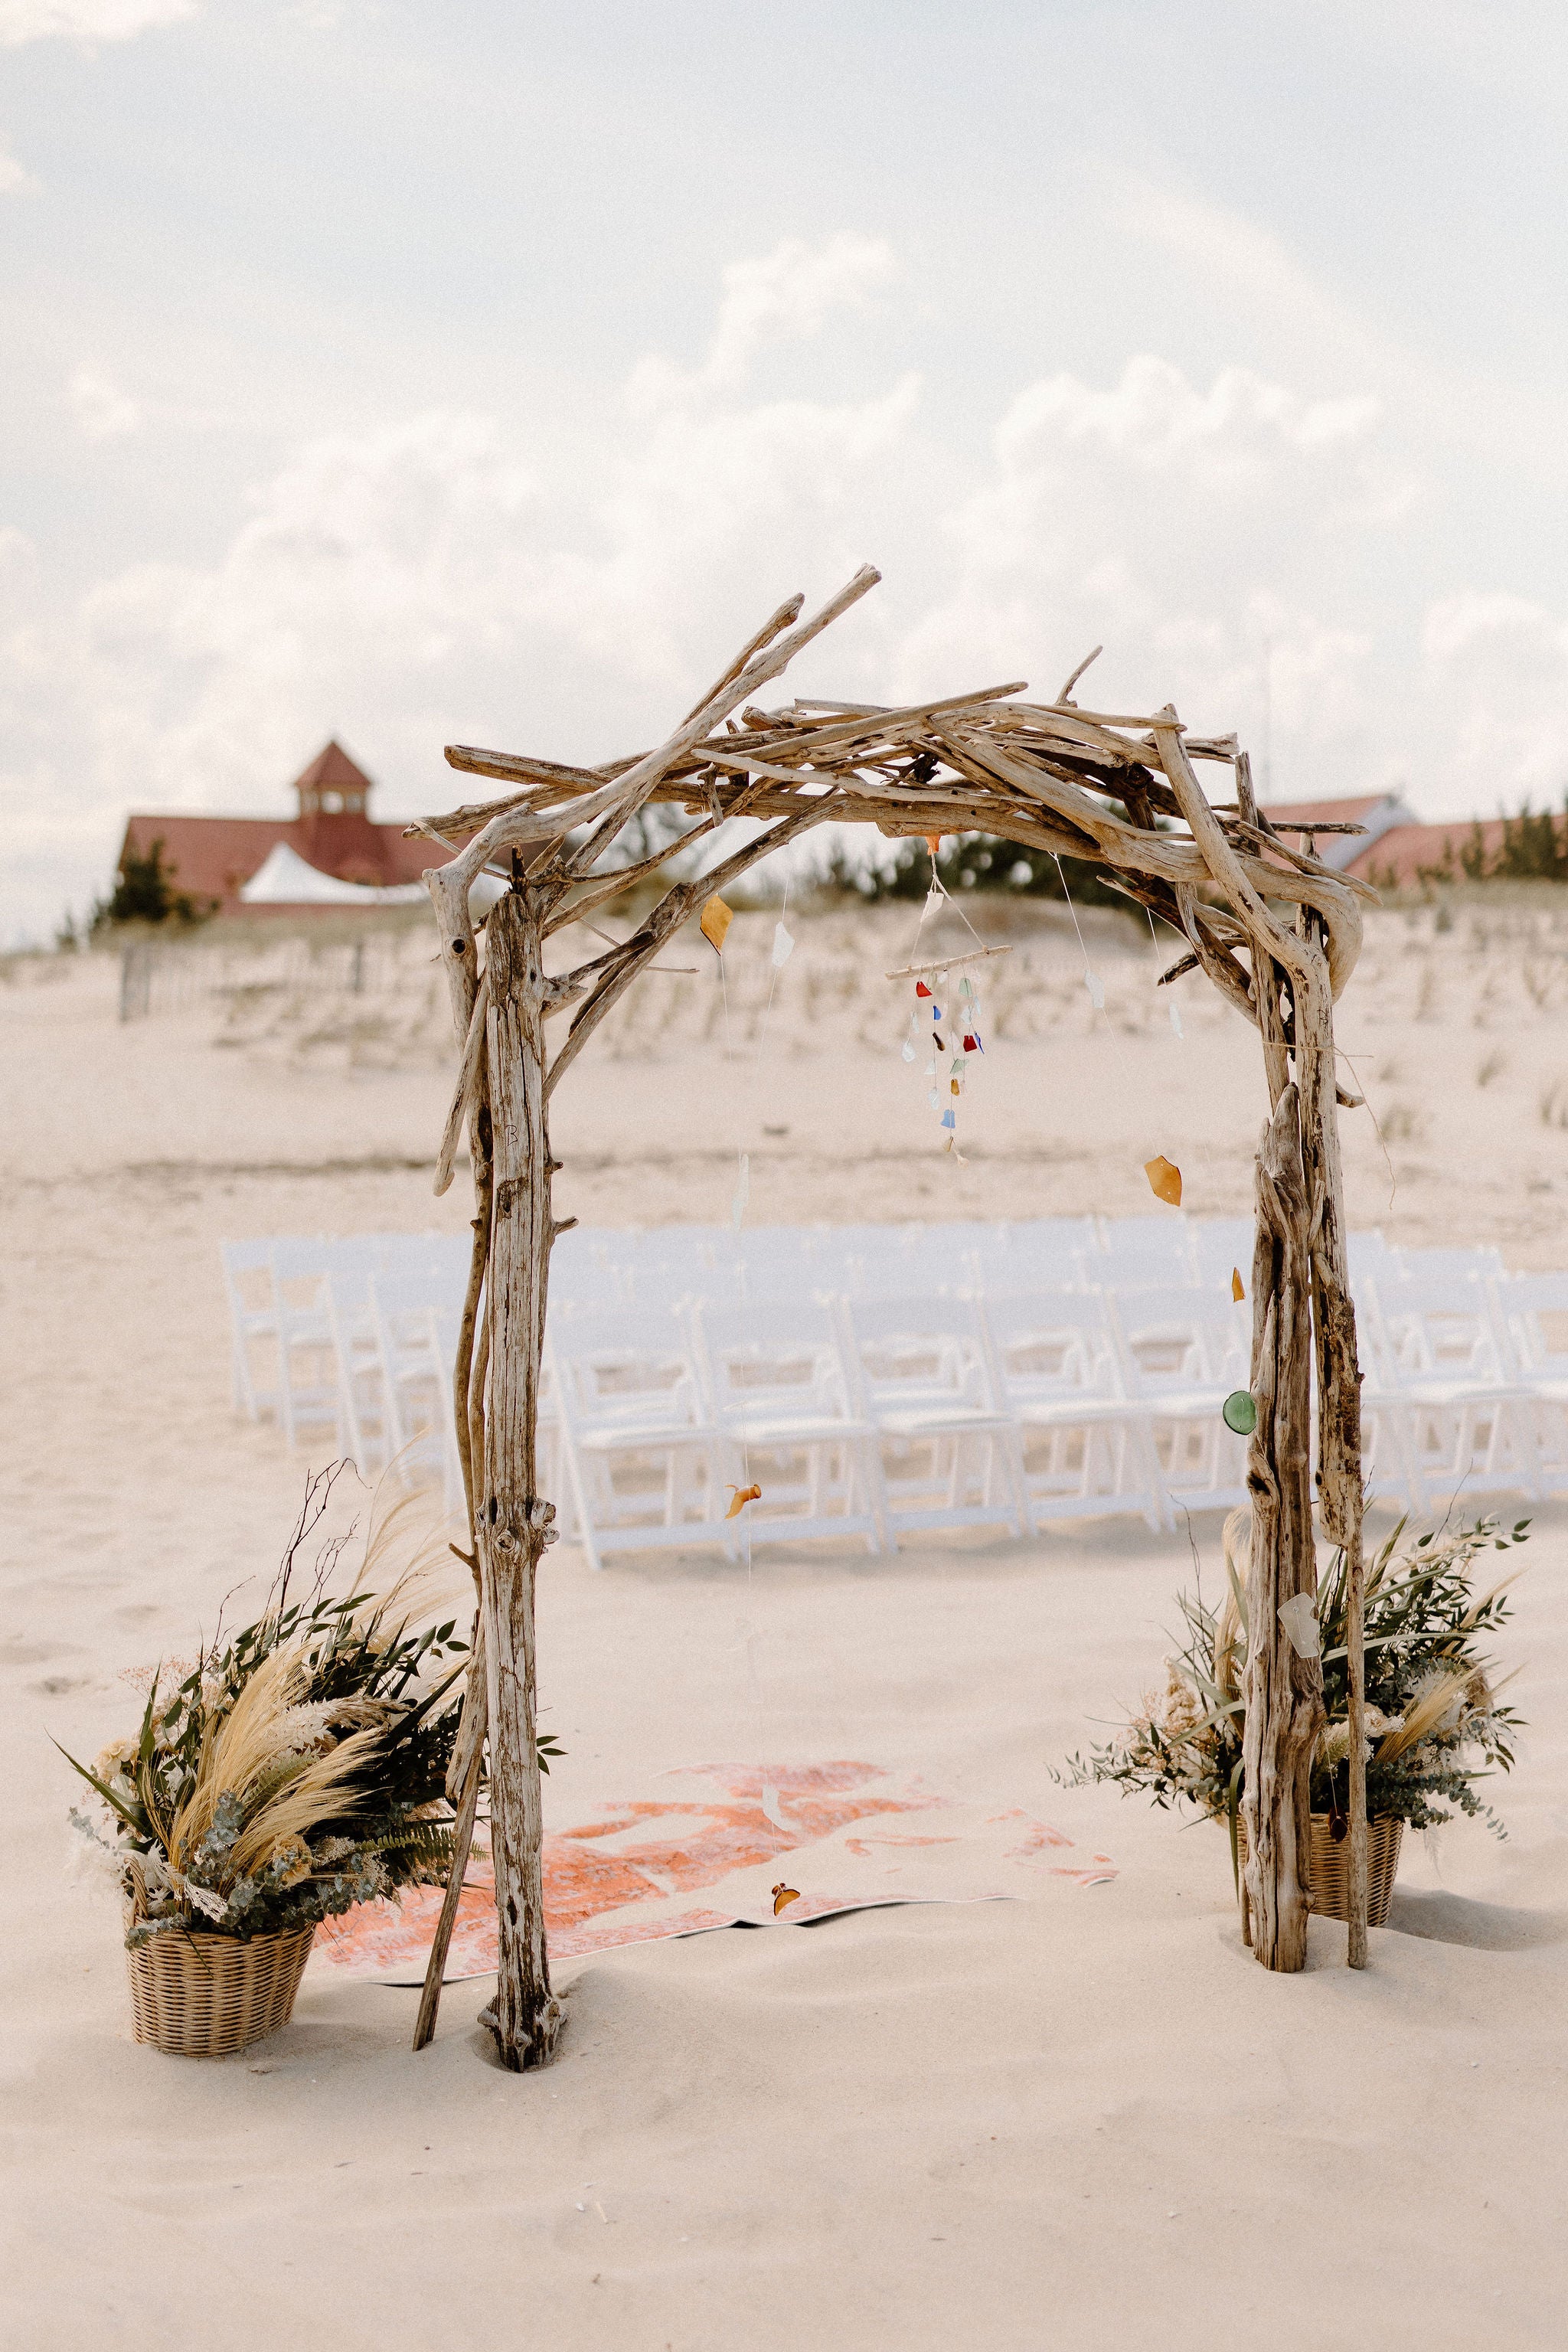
{"x": 486, "y": 373}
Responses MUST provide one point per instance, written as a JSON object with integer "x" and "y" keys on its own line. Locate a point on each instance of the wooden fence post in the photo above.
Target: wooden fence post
{"x": 513, "y": 1524}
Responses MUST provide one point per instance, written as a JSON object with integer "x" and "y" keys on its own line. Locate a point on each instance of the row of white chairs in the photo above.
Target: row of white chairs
{"x": 877, "y": 1379}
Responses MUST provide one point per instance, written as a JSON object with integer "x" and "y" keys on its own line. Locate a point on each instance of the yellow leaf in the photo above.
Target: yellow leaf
{"x": 741, "y": 1497}
{"x": 784, "y": 1896}
{"x": 1165, "y": 1180}
{"x": 716, "y": 920}
{"x": 1237, "y": 1287}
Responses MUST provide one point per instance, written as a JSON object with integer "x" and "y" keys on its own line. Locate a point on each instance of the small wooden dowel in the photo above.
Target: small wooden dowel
{"x": 435, "y": 1967}
{"x": 948, "y": 963}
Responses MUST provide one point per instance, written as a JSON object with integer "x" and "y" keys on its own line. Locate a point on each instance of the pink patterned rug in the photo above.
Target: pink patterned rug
{"x": 847, "y": 1829}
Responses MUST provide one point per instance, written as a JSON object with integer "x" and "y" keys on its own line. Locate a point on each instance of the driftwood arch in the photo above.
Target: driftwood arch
{"x": 1276, "y": 930}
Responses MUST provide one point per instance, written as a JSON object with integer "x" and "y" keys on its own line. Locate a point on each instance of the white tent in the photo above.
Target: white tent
{"x": 286, "y": 880}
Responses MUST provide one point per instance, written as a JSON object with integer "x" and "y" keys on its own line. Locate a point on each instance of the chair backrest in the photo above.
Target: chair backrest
{"x": 1221, "y": 1247}
{"x": 1452, "y": 1265}
{"x": 1368, "y": 1254}
{"x": 919, "y": 1348}
{"x": 1141, "y": 1252}
{"x": 411, "y": 1299}
{"x": 1442, "y": 1328}
{"x": 247, "y": 1277}
{"x": 1533, "y": 1311}
{"x": 615, "y": 1365}
{"x": 584, "y": 1281}
{"x": 1040, "y": 1253}
{"x": 1054, "y": 1346}
{"x": 1176, "y": 1339}
{"x": 783, "y": 1355}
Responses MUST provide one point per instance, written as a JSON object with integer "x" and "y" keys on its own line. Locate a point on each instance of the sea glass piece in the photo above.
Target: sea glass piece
{"x": 921, "y": 988}
{"x": 1176, "y": 1018}
{"x": 950, "y": 1119}
{"x": 717, "y": 919}
{"x": 784, "y": 947}
{"x": 1096, "y": 988}
{"x": 1165, "y": 1180}
{"x": 969, "y": 1045}
{"x": 1239, "y": 1412}
{"x": 1237, "y": 1287}
{"x": 1299, "y": 1619}
{"x": 909, "y": 1053}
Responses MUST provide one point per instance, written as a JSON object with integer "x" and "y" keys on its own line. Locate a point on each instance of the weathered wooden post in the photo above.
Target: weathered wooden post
{"x": 1303, "y": 1257}
{"x": 513, "y": 1521}
{"x": 1283, "y": 1689}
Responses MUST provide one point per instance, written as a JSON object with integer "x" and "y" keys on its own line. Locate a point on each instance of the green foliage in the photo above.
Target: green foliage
{"x": 975, "y": 861}
{"x": 144, "y": 892}
{"x": 1533, "y": 849}
{"x": 339, "y": 1797}
{"x": 1435, "y": 1723}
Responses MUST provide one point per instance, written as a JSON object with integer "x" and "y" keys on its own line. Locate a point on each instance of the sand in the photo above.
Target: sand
{"x": 1086, "y": 2121}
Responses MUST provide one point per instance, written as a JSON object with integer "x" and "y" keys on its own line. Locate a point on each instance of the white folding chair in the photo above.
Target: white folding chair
{"x": 253, "y": 1321}
{"x": 1531, "y": 1310}
{"x": 1086, "y": 1447}
{"x": 1185, "y": 1350}
{"x": 1442, "y": 1362}
{"x": 643, "y": 1456}
{"x": 309, "y": 1385}
{"x": 785, "y": 1401}
{"x": 923, "y": 1369}
{"x": 415, "y": 1366}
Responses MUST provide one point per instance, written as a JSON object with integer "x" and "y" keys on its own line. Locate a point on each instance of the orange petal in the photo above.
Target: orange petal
{"x": 1165, "y": 1180}
{"x": 716, "y": 920}
{"x": 1237, "y": 1287}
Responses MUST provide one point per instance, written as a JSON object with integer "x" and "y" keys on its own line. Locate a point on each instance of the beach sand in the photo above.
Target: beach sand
{"x": 1086, "y": 2121}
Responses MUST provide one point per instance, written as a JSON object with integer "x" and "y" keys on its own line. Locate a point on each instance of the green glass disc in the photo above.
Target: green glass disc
{"x": 1240, "y": 1412}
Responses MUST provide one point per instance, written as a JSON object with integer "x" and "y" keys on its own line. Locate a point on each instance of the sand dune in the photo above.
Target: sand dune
{"x": 1087, "y": 2122}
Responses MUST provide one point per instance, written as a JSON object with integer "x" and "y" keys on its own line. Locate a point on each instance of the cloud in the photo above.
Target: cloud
{"x": 1181, "y": 525}
{"x": 87, "y": 21}
{"x": 102, "y": 412}
{"x": 787, "y": 296}
{"x": 1497, "y": 674}
{"x": 444, "y": 578}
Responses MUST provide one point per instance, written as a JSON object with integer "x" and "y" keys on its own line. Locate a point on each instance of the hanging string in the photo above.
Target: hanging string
{"x": 1091, "y": 980}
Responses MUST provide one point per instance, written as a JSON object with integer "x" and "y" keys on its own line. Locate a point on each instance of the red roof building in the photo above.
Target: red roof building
{"x": 1396, "y": 851}
{"x": 212, "y": 857}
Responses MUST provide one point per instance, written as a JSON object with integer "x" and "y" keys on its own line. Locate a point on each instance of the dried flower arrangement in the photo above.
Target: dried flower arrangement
{"x": 298, "y": 1765}
{"x": 1435, "y": 1724}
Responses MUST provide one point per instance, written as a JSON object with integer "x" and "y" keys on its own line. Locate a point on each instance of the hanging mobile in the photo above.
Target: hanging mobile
{"x": 950, "y": 1018}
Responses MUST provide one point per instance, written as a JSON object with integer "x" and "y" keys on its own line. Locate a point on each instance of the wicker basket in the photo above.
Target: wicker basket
{"x": 1327, "y": 1891}
{"x": 199, "y": 1996}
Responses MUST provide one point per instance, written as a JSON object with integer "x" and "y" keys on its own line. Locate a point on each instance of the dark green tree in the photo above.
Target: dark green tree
{"x": 976, "y": 861}
{"x": 144, "y": 892}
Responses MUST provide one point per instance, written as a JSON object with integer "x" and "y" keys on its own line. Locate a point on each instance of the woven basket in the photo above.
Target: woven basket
{"x": 199, "y": 1996}
{"x": 1328, "y": 1883}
